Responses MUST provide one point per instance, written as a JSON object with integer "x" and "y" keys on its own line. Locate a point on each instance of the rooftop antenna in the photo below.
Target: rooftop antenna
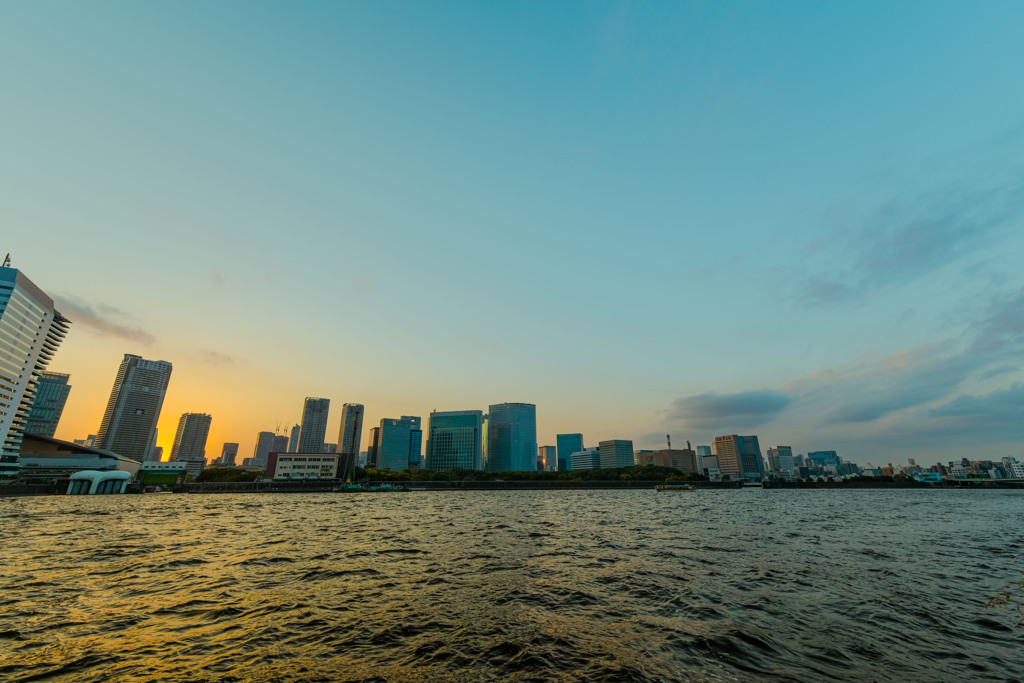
{"x": 7, "y": 260}
{"x": 669, "y": 437}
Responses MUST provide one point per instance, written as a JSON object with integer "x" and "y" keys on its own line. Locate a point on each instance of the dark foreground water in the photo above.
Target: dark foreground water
{"x": 496, "y": 585}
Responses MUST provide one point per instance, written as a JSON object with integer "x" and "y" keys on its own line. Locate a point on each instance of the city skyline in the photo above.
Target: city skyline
{"x": 741, "y": 219}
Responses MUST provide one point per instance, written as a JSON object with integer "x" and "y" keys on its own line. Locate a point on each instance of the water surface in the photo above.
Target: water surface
{"x": 623, "y": 585}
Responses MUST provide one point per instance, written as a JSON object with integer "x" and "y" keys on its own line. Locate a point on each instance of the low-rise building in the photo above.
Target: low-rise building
{"x": 47, "y": 459}
{"x": 303, "y": 465}
{"x": 587, "y": 459}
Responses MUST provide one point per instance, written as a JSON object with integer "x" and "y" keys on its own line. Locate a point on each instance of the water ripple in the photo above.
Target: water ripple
{"x": 510, "y": 585}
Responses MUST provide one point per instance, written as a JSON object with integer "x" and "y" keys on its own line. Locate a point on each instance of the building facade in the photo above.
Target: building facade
{"x": 133, "y": 410}
{"x": 455, "y": 440}
{"x": 190, "y": 439}
{"x": 293, "y": 438}
{"x": 780, "y": 461}
{"x": 739, "y": 457}
{"x": 51, "y": 396}
{"x": 350, "y": 435}
{"x": 371, "y": 449}
{"x": 547, "y": 459}
{"x": 584, "y": 459}
{"x": 228, "y": 454}
{"x": 566, "y": 445}
{"x": 30, "y": 332}
{"x": 399, "y": 443}
{"x": 511, "y": 438}
{"x": 264, "y": 446}
{"x": 314, "y": 424}
{"x": 615, "y": 453}
{"x": 302, "y": 466}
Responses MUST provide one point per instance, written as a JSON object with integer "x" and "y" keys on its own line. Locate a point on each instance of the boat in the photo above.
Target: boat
{"x": 675, "y": 487}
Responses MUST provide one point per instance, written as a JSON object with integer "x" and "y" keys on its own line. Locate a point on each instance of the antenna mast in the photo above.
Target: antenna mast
{"x": 7, "y": 260}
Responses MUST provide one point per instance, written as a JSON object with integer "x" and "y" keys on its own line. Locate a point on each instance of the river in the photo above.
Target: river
{"x": 616, "y": 585}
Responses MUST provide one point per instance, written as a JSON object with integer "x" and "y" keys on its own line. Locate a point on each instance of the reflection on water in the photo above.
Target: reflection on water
{"x": 525, "y": 585}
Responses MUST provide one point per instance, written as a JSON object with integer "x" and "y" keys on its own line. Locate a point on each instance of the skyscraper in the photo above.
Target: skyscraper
{"x": 129, "y": 422}
{"x": 512, "y": 437}
{"x": 228, "y": 454}
{"x": 280, "y": 444}
{"x": 566, "y": 445}
{"x": 314, "y": 425}
{"x": 372, "y": 447}
{"x": 780, "y": 460}
{"x": 615, "y": 453}
{"x": 350, "y": 435}
{"x": 399, "y": 443}
{"x": 547, "y": 458}
{"x": 190, "y": 439}
{"x": 51, "y": 395}
{"x": 455, "y": 439}
{"x": 293, "y": 439}
{"x": 739, "y": 456}
{"x": 264, "y": 446}
{"x": 30, "y": 330}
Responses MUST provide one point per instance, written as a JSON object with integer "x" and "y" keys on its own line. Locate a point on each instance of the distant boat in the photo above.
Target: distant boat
{"x": 675, "y": 487}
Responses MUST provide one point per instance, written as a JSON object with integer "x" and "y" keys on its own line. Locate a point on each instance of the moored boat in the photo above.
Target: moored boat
{"x": 675, "y": 487}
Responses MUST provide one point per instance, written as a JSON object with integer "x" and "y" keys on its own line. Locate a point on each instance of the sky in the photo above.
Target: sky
{"x": 797, "y": 220}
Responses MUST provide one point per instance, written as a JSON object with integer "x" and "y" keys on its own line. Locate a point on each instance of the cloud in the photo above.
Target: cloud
{"x": 913, "y": 400}
{"x": 742, "y": 409}
{"x": 1003, "y": 325}
{"x": 1003, "y": 404}
{"x": 101, "y": 320}
{"x": 905, "y": 239}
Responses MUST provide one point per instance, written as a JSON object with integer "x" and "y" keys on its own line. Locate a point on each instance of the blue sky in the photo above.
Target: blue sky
{"x": 799, "y": 220}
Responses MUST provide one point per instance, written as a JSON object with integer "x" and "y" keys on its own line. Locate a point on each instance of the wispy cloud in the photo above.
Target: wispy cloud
{"x": 103, "y": 320}
{"x": 913, "y": 398}
{"x": 904, "y": 240}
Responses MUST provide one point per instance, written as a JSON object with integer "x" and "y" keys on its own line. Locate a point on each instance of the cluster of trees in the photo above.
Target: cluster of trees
{"x": 638, "y": 472}
{"x": 228, "y": 474}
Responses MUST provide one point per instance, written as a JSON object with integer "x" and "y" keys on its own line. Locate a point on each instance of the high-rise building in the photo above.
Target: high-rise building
{"x": 455, "y": 440}
{"x": 350, "y": 435}
{"x": 190, "y": 439}
{"x": 373, "y": 447}
{"x": 615, "y": 453}
{"x": 129, "y": 422}
{"x": 567, "y": 444}
{"x": 547, "y": 458}
{"x": 293, "y": 439}
{"x": 280, "y": 444}
{"x": 314, "y": 425}
{"x": 51, "y": 395}
{"x": 264, "y": 447}
{"x": 511, "y": 437}
{"x": 703, "y": 450}
{"x": 30, "y": 332}
{"x": 228, "y": 454}
{"x": 739, "y": 456}
{"x": 399, "y": 443}
{"x": 780, "y": 461}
